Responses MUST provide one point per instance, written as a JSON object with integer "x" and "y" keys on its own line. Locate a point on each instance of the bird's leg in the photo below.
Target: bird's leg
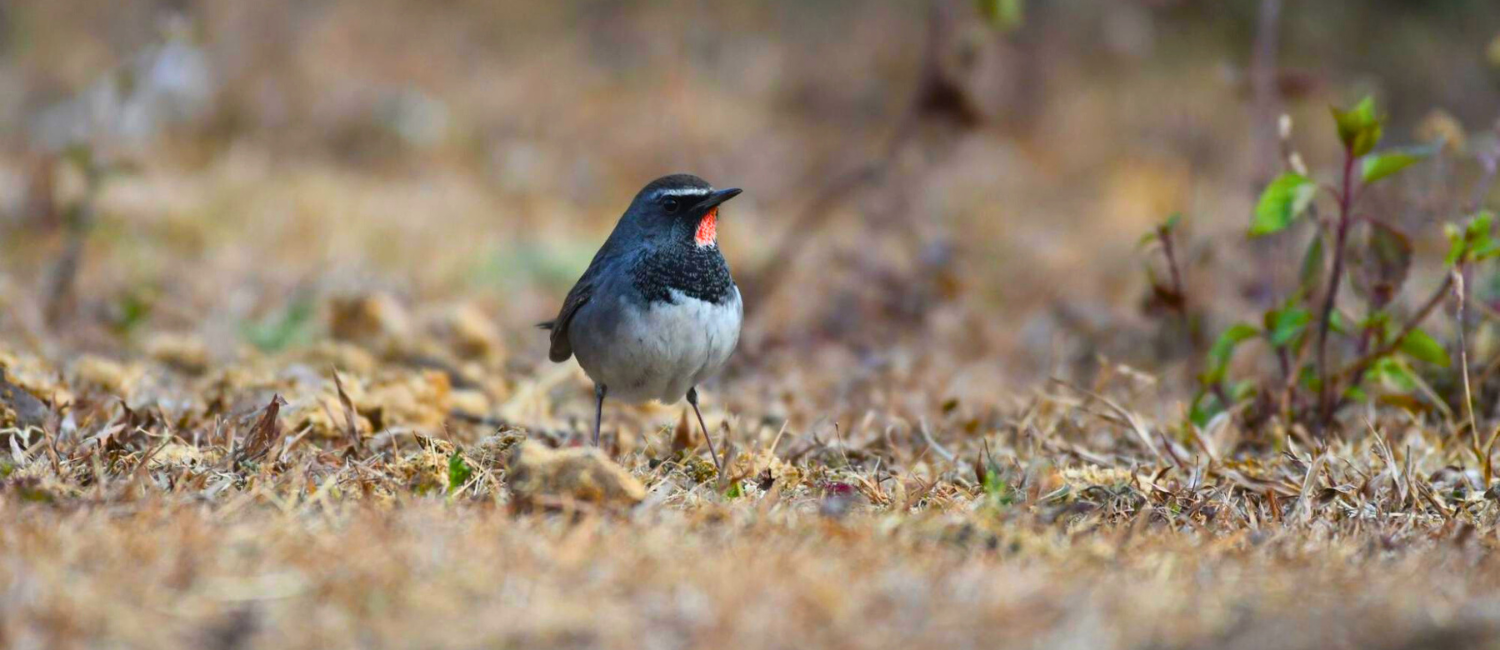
{"x": 599, "y": 391}
{"x": 692, "y": 398}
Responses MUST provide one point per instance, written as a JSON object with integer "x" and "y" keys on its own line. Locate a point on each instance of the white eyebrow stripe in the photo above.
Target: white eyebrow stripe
{"x": 681, "y": 191}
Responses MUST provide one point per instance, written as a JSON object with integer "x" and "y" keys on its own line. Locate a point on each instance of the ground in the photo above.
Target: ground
{"x": 269, "y": 283}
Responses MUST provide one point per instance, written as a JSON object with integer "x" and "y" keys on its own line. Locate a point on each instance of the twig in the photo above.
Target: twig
{"x": 143, "y": 468}
{"x": 765, "y": 280}
{"x": 927, "y": 436}
{"x": 930, "y": 89}
{"x": 1136, "y": 426}
{"x": 351, "y": 429}
{"x": 1384, "y": 449}
{"x": 1179, "y": 292}
{"x": 1304, "y": 513}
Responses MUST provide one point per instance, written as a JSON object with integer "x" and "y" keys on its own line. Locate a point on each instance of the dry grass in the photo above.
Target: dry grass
{"x": 321, "y": 574}
{"x": 1098, "y": 528}
{"x": 295, "y": 323}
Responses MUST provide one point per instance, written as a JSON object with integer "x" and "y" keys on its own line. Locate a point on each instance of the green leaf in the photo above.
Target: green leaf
{"x": 1377, "y": 166}
{"x": 1281, "y": 203}
{"x": 1287, "y": 324}
{"x": 1474, "y": 242}
{"x": 1395, "y": 373}
{"x": 734, "y": 491}
{"x": 1338, "y": 323}
{"x": 1223, "y": 349}
{"x": 1485, "y": 247}
{"x": 1421, "y": 346}
{"x": 1161, "y": 231}
{"x": 1004, "y": 15}
{"x": 1312, "y": 266}
{"x": 292, "y": 327}
{"x": 1487, "y": 251}
{"x": 1359, "y": 127}
{"x": 131, "y": 311}
{"x": 1379, "y": 324}
{"x": 1307, "y": 377}
{"x": 81, "y": 156}
{"x": 1456, "y": 247}
{"x": 997, "y": 489}
{"x": 1204, "y": 407}
{"x": 1352, "y": 120}
{"x": 1480, "y": 226}
{"x": 459, "y": 472}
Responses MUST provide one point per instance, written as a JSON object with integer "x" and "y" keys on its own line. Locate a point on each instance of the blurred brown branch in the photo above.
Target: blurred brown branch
{"x": 940, "y": 95}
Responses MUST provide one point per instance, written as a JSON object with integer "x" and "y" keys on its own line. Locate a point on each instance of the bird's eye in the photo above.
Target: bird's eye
{"x": 670, "y": 205}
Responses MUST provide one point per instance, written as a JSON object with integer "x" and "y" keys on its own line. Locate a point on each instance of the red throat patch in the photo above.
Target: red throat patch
{"x": 708, "y": 229}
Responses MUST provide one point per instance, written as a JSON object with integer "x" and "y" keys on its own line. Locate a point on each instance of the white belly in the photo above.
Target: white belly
{"x": 662, "y": 351}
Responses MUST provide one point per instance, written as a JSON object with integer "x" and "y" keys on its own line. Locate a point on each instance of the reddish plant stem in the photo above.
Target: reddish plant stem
{"x": 1325, "y": 400}
{"x": 1179, "y": 294}
{"x": 1356, "y": 371}
{"x": 1165, "y": 236}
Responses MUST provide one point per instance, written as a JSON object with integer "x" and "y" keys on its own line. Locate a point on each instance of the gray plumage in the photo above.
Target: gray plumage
{"x": 657, "y": 311}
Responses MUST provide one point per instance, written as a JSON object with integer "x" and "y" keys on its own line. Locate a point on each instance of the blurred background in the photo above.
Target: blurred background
{"x": 948, "y": 186}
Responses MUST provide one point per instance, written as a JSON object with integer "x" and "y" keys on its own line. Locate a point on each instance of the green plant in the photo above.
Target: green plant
{"x": 1004, "y": 15}
{"x": 459, "y": 472}
{"x": 1169, "y": 294}
{"x": 998, "y": 492}
{"x": 1352, "y": 249}
{"x": 291, "y": 327}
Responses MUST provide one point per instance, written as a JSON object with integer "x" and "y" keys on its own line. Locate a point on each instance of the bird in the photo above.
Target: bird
{"x": 657, "y": 311}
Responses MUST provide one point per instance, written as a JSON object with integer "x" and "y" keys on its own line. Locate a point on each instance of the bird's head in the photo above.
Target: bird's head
{"x": 680, "y": 208}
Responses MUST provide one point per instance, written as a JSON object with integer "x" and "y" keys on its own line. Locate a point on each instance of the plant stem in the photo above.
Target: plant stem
{"x": 1356, "y": 370}
{"x": 1179, "y": 293}
{"x": 1325, "y": 400}
{"x": 1165, "y": 236}
{"x": 1456, "y": 275}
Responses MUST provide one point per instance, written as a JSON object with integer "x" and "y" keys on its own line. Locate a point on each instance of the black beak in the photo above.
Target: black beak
{"x": 720, "y": 196}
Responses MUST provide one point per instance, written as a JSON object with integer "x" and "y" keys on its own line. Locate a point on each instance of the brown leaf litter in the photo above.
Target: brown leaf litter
{"x": 539, "y": 475}
{"x": 19, "y": 408}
